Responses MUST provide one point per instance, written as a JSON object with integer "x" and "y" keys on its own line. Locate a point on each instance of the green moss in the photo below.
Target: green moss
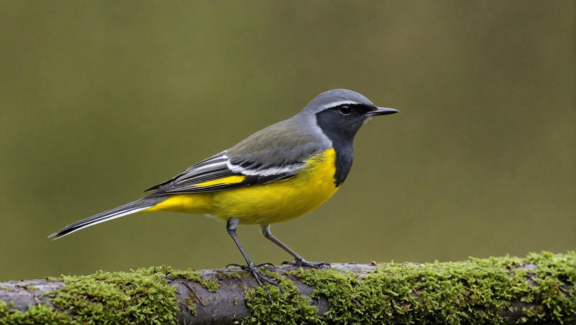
{"x": 40, "y": 314}
{"x": 476, "y": 291}
{"x": 234, "y": 275}
{"x": 287, "y": 308}
{"x": 29, "y": 288}
{"x": 138, "y": 297}
{"x": 190, "y": 304}
{"x": 192, "y": 275}
{"x": 473, "y": 292}
{"x": 210, "y": 285}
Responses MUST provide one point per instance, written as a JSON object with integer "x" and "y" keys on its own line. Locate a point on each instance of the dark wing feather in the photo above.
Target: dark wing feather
{"x": 212, "y": 170}
{"x": 190, "y": 171}
{"x": 275, "y": 153}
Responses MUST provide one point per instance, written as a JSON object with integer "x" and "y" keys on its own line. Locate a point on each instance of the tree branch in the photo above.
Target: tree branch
{"x": 538, "y": 289}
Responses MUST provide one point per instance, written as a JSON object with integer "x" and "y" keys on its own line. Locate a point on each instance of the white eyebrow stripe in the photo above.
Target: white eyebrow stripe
{"x": 334, "y": 104}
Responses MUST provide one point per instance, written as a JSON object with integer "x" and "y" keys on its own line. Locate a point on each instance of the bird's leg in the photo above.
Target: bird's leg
{"x": 249, "y": 267}
{"x": 298, "y": 260}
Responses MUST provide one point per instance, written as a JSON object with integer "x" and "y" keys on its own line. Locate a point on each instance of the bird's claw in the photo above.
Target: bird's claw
{"x": 259, "y": 276}
{"x": 303, "y": 262}
{"x": 236, "y": 265}
{"x": 245, "y": 268}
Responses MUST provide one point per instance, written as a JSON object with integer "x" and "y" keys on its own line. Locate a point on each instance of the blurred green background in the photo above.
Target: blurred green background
{"x": 102, "y": 99}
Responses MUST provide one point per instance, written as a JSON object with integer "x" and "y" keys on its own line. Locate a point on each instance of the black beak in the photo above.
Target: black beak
{"x": 382, "y": 111}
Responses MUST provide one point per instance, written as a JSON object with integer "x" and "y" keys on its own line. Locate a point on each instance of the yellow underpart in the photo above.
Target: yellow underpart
{"x": 225, "y": 180}
{"x": 264, "y": 204}
{"x": 200, "y": 203}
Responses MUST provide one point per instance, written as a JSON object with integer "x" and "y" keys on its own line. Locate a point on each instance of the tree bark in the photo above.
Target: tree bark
{"x": 228, "y": 304}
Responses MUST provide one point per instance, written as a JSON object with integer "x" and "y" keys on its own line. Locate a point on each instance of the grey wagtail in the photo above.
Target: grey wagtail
{"x": 277, "y": 174}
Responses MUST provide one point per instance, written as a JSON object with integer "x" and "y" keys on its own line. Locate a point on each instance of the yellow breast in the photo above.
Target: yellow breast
{"x": 265, "y": 204}
{"x": 283, "y": 200}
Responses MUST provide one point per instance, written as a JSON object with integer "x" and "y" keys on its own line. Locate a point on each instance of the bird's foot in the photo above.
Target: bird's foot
{"x": 299, "y": 262}
{"x": 259, "y": 276}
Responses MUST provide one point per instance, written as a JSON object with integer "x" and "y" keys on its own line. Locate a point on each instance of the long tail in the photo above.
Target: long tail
{"x": 118, "y": 212}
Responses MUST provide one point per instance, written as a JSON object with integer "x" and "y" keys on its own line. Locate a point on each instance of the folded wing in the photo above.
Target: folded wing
{"x": 275, "y": 153}
{"x": 219, "y": 173}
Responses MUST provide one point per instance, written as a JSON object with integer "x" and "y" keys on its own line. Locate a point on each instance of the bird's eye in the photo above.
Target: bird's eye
{"x": 345, "y": 110}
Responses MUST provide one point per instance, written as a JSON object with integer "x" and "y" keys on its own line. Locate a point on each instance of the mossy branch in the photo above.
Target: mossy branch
{"x": 538, "y": 289}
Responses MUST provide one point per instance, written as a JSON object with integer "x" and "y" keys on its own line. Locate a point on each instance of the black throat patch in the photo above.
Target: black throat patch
{"x": 341, "y": 132}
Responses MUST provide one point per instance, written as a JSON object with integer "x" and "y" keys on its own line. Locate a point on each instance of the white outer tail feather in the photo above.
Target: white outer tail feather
{"x": 104, "y": 219}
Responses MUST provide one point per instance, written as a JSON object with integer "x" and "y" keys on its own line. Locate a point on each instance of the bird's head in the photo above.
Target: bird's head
{"x": 342, "y": 112}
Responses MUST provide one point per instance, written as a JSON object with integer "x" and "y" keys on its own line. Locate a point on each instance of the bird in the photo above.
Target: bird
{"x": 275, "y": 175}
